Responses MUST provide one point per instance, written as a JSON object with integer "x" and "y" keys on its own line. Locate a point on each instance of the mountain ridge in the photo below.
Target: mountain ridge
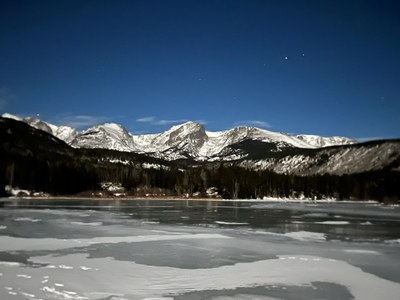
{"x": 181, "y": 141}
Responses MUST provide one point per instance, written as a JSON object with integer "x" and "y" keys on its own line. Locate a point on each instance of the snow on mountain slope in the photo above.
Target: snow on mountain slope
{"x": 107, "y": 136}
{"x": 337, "y": 161}
{"x": 143, "y": 142}
{"x": 181, "y": 141}
{"x": 65, "y": 133}
{"x": 319, "y": 141}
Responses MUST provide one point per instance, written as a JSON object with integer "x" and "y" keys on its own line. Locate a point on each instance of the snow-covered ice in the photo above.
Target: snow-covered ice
{"x": 257, "y": 253}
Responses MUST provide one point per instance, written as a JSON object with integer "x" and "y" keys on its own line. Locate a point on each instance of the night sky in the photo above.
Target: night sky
{"x": 316, "y": 67}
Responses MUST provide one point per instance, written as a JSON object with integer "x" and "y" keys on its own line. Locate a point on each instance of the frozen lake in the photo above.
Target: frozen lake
{"x": 88, "y": 249}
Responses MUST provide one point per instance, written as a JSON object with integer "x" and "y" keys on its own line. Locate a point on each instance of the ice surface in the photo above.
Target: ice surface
{"x": 268, "y": 258}
{"x": 131, "y": 279}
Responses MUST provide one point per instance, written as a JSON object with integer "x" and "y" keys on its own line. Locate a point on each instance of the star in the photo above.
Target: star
{"x": 286, "y": 57}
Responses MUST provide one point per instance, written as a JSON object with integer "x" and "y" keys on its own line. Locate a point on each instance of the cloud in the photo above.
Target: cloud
{"x": 146, "y": 120}
{"x": 80, "y": 121}
{"x": 169, "y": 122}
{"x": 256, "y": 123}
{"x": 154, "y": 121}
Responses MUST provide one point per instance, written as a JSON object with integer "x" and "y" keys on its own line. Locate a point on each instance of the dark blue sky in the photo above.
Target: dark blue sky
{"x": 320, "y": 67}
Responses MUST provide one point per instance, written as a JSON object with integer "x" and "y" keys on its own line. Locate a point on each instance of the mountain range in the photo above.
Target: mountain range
{"x": 188, "y": 140}
{"x": 243, "y": 162}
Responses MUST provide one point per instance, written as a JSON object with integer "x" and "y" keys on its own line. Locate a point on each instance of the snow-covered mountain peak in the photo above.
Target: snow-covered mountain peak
{"x": 111, "y": 128}
{"x": 186, "y": 128}
{"x": 107, "y": 136}
{"x": 187, "y": 137}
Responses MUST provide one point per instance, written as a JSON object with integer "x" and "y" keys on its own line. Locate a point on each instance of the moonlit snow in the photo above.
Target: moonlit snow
{"x": 219, "y": 250}
{"x": 195, "y": 140}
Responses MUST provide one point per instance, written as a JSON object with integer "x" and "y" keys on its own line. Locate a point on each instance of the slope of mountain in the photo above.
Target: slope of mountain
{"x": 339, "y": 160}
{"x": 219, "y": 141}
{"x": 65, "y": 133}
{"x": 188, "y": 140}
{"x": 20, "y": 138}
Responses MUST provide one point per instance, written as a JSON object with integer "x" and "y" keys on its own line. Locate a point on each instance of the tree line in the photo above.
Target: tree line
{"x": 72, "y": 176}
